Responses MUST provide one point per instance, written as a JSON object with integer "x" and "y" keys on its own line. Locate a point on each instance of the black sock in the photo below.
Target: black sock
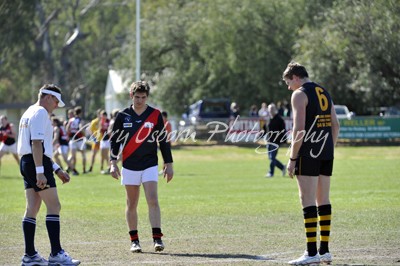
{"x": 53, "y": 230}
{"x": 157, "y": 233}
{"x": 134, "y": 235}
{"x": 310, "y": 223}
{"x": 324, "y": 213}
{"x": 29, "y": 228}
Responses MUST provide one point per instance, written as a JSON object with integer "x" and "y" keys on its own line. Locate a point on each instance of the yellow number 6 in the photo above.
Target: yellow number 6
{"x": 323, "y": 101}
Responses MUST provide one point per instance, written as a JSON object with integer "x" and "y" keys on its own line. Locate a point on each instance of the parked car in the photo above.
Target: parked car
{"x": 342, "y": 112}
{"x": 389, "y": 111}
{"x": 200, "y": 113}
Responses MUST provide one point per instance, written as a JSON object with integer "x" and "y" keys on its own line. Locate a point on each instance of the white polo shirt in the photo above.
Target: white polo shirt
{"x": 35, "y": 124}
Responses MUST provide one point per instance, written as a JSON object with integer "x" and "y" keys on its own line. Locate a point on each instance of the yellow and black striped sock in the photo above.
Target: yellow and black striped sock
{"x": 324, "y": 213}
{"x": 310, "y": 223}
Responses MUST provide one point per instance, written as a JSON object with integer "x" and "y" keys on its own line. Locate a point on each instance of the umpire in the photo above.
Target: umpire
{"x": 36, "y": 150}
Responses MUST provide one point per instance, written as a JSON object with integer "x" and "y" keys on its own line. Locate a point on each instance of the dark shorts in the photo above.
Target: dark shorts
{"x": 313, "y": 167}
{"x": 28, "y": 171}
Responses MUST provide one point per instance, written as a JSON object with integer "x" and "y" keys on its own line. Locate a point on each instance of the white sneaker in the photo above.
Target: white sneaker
{"x": 34, "y": 260}
{"x": 158, "y": 245}
{"x": 325, "y": 258}
{"x": 306, "y": 260}
{"x": 62, "y": 259}
{"x": 135, "y": 247}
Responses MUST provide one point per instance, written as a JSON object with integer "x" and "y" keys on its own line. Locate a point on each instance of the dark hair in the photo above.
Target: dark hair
{"x": 165, "y": 114}
{"x": 77, "y": 110}
{"x": 114, "y": 113}
{"x": 140, "y": 86}
{"x": 50, "y": 87}
{"x": 294, "y": 68}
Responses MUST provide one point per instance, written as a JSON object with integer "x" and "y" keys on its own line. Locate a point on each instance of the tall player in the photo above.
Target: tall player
{"x": 138, "y": 128}
{"x": 315, "y": 132}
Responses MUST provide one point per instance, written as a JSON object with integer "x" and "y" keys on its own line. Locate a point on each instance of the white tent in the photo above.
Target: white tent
{"x": 117, "y": 90}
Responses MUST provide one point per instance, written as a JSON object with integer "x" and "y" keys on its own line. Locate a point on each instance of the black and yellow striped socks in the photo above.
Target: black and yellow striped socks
{"x": 324, "y": 213}
{"x": 310, "y": 223}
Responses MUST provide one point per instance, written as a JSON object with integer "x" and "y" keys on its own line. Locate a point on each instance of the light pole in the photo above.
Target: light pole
{"x": 137, "y": 39}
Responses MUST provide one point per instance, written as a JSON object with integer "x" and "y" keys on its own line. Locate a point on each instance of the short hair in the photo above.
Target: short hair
{"x": 294, "y": 68}
{"x": 103, "y": 112}
{"x": 77, "y": 110}
{"x": 114, "y": 112}
{"x": 140, "y": 86}
{"x": 50, "y": 87}
{"x": 164, "y": 113}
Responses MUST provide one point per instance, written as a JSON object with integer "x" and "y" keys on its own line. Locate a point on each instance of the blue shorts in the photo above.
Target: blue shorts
{"x": 28, "y": 171}
{"x": 313, "y": 167}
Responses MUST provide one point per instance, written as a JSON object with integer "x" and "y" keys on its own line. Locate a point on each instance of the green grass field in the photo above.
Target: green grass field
{"x": 219, "y": 209}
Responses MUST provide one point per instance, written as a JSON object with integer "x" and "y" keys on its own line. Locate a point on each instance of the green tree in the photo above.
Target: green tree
{"x": 354, "y": 52}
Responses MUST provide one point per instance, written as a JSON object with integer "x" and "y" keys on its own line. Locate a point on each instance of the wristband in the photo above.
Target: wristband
{"x": 55, "y": 167}
{"x": 39, "y": 169}
{"x": 293, "y": 159}
{"x": 57, "y": 170}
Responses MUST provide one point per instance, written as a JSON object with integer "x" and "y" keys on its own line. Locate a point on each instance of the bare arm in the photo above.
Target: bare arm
{"x": 13, "y": 133}
{"x": 335, "y": 125}
{"x": 299, "y": 103}
{"x": 37, "y": 153}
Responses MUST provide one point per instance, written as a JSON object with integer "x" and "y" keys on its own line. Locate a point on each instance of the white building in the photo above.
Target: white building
{"x": 117, "y": 90}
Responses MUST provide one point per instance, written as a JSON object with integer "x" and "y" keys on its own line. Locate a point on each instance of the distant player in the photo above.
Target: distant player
{"x": 7, "y": 139}
{"x": 77, "y": 140}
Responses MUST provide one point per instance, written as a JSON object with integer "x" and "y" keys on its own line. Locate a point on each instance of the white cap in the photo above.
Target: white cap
{"x": 56, "y": 94}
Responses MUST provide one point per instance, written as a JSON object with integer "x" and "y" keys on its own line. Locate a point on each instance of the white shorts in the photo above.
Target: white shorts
{"x": 77, "y": 145}
{"x": 63, "y": 149}
{"x": 8, "y": 148}
{"x": 136, "y": 178}
{"x": 104, "y": 144}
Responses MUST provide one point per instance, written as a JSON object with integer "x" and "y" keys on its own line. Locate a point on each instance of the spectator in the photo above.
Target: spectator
{"x": 253, "y": 111}
{"x": 263, "y": 112}
{"x": 276, "y": 132}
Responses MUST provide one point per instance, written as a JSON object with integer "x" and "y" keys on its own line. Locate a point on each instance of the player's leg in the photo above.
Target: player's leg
{"x": 82, "y": 149}
{"x": 150, "y": 185}
{"x": 132, "y": 199}
{"x": 1, "y": 156}
{"x": 14, "y": 152}
{"x": 307, "y": 192}
{"x": 95, "y": 149}
{"x": 72, "y": 157}
{"x": 324, "y": 210}
{"x": 33, "y": 202}
{"x": 57, "y": 256}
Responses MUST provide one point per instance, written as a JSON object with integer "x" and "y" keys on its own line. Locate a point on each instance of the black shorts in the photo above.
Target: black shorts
{"x": 28, "y": 171}
{"x": 313, "y": 167}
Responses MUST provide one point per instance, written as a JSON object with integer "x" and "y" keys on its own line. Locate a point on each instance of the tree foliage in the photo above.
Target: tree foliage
{"x": 234, "y": 49}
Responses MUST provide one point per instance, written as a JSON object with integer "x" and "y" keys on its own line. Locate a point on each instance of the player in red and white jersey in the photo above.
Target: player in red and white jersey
{"x": 140, "y": 128}
{"x": 77, "y": 140}
{"x": 7, "y": 139}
